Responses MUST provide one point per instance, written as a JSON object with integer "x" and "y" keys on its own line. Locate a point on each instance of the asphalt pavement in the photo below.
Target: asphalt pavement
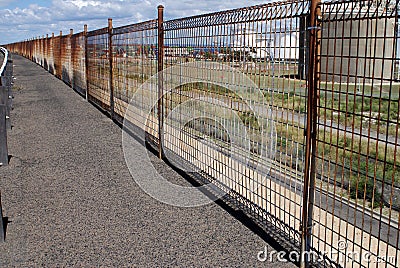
{"x": 69, "y": 200}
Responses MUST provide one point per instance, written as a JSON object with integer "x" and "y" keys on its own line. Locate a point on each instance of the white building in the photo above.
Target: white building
{"x": 282, "y": 46}
{"x": 176, "y": 51}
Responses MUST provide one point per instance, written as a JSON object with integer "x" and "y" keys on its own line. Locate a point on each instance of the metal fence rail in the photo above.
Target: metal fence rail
{"x": 291, "y": 108}
{"x": 6, "y": 72}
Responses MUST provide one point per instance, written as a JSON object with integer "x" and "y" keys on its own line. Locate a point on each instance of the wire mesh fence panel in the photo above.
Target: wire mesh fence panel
{"x": 45, "y": 54}
{"x": 234, "y": 106}
{"x": 38, "y": 51}
{"x": 66, "y": 72}
{"x": 98, "y": 68}
{"x": 29, "y": 50}
{"x": 357, "y": 191}
{"x": 19, "y": 48}
{"x": 50, "y": 58}
{"x": 41, "y": 55}
{"x": 33, "y": 51}
{"x": 78, "y": 63}
{"x": 134, "y": 65}
{"x": 56, "y": 44}
{"x": 26, "y": 48}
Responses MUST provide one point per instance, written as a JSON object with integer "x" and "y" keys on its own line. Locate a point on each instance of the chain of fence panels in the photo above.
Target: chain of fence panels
{"x": 291, "y": 108}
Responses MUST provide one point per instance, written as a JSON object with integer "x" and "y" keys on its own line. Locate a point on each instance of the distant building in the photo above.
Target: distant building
{"x": 286, "y": 46}
{"x": 354, "y": 49}
{"x": 177, "y": 51}
{"x": 350, "y": 47}
{"x": 282, "y": 46}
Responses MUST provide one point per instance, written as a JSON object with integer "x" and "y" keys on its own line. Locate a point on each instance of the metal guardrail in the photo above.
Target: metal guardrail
{"x": 6, "y": 71}
{"x": 326, "y": 73}
{"x": 2, "y": 231}
{"x": 4, "y": 64}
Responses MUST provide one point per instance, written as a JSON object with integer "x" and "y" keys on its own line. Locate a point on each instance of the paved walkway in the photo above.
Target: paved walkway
{"x": 71, "y": 201}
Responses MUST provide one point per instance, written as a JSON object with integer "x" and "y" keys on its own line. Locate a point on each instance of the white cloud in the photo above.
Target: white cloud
{"x": 23, "y": 23}
{"x": 81, "y": 3}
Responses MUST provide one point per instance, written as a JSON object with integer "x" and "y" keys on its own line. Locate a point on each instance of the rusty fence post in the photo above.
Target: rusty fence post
{"x": 160, "y": 56}
{"x": 311, "y": 135}
{"x": 31, "y": 46}
{"x": 46, "y": 53}
{"x": 26, "y": 48}
{"x": 85, "y": 30}
{"x": 70, "y": 67}
{"x": 52, "y": 54}
{"x": 110, "y": 60}
{"x": 60, "y": 58}
{"x": 35, "y": 50}
{"x": 42, "y": 48}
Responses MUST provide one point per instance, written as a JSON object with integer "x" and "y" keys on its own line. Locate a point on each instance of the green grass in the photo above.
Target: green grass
{"x": 380, "y": 115}
{"x": 359, "y": 167}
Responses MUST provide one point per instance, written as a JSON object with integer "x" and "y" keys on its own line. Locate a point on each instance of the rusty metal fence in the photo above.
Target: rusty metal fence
{"x": 290, "y": 108}
{"x": 134, "y": 62}
{"x": 357, "y": 190}
{"x": 245, "y": 136}
{"x": 78, "y": 63}
{"x": 98, "y": 68}
{"x": 65, "y": 58}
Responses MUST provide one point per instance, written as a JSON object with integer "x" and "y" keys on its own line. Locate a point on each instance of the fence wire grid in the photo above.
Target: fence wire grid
{"x": 291, "y": 108}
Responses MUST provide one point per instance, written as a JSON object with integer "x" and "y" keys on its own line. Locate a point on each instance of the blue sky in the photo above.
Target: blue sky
{"x": 12, "y": 4}
{"x": 25, "y": 19}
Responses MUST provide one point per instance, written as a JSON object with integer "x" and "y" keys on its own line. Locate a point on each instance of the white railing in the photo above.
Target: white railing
{"x": 5, "y": 53}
